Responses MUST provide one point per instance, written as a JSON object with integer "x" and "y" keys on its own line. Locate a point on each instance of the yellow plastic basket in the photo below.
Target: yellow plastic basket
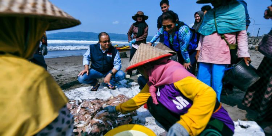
{"x": 131, "y": 130}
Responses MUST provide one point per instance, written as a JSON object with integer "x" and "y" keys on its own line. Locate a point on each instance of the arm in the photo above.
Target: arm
{"x": 184, "y": 37}
{"x": 86, "y": 62}
{"x": 157, "y": 36}
{"x": 143, "y": 37}
{"x": 242, "y": 46}
{"x": 204, "y": 99}
{"x": 199, "y": 46}
{"x": 135, "y": 102}
{"x": 129, "y": 33}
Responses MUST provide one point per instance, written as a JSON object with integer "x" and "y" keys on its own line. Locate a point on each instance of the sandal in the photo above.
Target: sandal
{"x": 111, "y": 87}
{"x": 95, "y": 88}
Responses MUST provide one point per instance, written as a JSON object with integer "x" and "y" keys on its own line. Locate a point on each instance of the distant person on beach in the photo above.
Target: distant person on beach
{"x": 32, "y": 103}
{"x": 177, "y": 36}
{"x": 259, "y": 96}
{"x": 182, "y": 104}
{"x": 205, "y": 8}
{"x": 219, "y": 35}
{"x": 105, "y": 62}
{"x": 38, "y": 57}
{"x": 139, "y": 29}
{"x": 164, "y": 4}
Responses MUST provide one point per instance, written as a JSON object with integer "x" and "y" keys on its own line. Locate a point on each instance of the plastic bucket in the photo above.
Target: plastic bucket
{"x": 241, "y": 75}
{"x": 131, "y": 130}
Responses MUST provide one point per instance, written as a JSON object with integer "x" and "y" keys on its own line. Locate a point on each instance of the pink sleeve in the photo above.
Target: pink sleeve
{"x": 242, "y": 44}
{"x": 199, "y": 43}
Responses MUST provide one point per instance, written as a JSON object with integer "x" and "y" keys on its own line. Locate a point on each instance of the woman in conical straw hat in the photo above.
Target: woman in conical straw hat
{"x": 183, "y": 105}
{"x": 31, "y": 101}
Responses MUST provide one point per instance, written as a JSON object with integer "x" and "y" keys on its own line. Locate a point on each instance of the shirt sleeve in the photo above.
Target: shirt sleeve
{"x": 117, "y": 64}
{"x": 184, "y": 37}
{"x": 129, "y": 33}
{"x": 135, "y": 102}
{"x": 199, "y": 43}
{"x": 144, "y": 36}
{"x": 87, "y": 57}
{"x": 204, "y": 100}
{"x": 242, "y": 44}
{"x": 157, "y": 35}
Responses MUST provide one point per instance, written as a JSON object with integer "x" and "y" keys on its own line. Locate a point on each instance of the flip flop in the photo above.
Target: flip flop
{"x": 95, "y": 88}
{"x": 111, "y": 87}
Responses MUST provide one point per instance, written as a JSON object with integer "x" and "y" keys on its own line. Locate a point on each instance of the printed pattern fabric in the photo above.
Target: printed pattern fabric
{"x": 61, "y": 126}
{"x": 184, "y": 36}
{"x": 177, "y": 103}
{"x": 258, "y": 96}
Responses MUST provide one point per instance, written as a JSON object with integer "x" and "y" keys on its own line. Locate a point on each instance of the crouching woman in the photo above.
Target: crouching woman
{"x": 186, "y": 106}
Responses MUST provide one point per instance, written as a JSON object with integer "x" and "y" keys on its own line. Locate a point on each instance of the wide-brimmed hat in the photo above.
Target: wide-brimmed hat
{"x": 165, "y": 48}
{"x": 203, "y": 1}
{"x": 139, "y": 14}
{"x": 146, "y": 54}
{"x": 43, "y": 9}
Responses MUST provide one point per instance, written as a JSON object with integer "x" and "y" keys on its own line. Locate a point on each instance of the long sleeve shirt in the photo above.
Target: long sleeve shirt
{"x": 116, "y": 63}
{"x": 184, "y": 36}
{"x": 134, "y": 30}
{"x": 214, "y": 49}
{"x": 196, "y": 107}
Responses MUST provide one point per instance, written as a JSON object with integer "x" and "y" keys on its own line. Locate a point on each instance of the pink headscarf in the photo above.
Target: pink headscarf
{"x": 166, "y": 72}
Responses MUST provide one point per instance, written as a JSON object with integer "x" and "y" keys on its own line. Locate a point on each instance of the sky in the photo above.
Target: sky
{"x": 114, "y": 16}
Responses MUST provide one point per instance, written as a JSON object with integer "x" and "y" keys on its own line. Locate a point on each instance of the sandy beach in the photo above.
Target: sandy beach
{"x": 66, "y": 69}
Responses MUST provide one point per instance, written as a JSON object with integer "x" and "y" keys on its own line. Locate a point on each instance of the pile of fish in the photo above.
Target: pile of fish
{"x": 91, "y": 119}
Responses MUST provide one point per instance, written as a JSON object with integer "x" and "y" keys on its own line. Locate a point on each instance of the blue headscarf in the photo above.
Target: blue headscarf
{"x": 229, "y": 18}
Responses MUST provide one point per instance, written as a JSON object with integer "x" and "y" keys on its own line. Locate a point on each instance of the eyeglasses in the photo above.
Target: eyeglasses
{"x": 107, "y": 41}
{"x": 168, "y": 26}
{"x": 163, "y": 7}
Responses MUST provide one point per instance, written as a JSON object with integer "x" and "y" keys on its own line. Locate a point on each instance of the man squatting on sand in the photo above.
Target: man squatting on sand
{"x": 105, "y": 62}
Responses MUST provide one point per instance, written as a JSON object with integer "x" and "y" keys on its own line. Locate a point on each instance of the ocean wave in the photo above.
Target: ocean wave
{"x": 59, "y": 48}
{"x": 81, "y": 42}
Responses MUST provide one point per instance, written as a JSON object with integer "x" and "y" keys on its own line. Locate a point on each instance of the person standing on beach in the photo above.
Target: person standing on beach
{"x": 219, "y": 35}
{"x": 32, "y": 103}
{"x": 139, "y": 29}
{"x": 105, "y": 62}
{"x": 38, "y": 57}
{"x": 164, "y": 4}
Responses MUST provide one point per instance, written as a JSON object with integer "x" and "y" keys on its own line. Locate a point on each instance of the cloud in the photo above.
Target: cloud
{"x": 115, "y": 22}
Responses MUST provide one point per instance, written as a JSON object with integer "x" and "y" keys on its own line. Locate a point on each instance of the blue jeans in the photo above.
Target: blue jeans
{"x": 212, "y": 75}
{"x": 94, "y": 75}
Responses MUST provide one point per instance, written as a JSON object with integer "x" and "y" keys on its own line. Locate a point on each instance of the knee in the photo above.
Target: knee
{"x": 81, "y": 79}
{"x": 120, "y": 75}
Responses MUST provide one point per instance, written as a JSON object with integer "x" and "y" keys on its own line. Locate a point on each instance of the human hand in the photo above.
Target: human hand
{"x": 110, "y": 109}
{"x": 107, "y": 79}
{"x": 177, "y": 130}
{"x": 247, "y": 60}
{"x": 187, "y": 65}
{"x": 133, "y": 41}
{"x": 83, "y": 72}
{"x": 43, "y": 49}
{"x": 150, "y": 44}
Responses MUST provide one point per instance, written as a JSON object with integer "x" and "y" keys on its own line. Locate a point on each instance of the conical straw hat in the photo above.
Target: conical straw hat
{"x": 165, "y": 48}
{"x": 146, "y": 54}
{"x": 43, "y": 9}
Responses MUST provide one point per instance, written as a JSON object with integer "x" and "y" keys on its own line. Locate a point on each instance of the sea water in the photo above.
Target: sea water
{"x": 65, "y": 48}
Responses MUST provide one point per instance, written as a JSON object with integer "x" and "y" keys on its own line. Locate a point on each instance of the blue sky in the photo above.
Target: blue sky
{"x": 114, "y": 16}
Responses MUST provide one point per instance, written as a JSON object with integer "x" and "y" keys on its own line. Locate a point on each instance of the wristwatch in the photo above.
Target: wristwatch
{"x": 111, "y": 73}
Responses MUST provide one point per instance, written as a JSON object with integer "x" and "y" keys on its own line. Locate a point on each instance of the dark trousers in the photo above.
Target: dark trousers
{"x": 167, "y": 118}
{"x": 132, "y": 52}
{"x": 192, "y": 61}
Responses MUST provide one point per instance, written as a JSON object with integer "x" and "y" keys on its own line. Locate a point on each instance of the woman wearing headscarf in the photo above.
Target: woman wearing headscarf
{"x": 31, "y": 101}
{"x": 258, "y": 96}
{"x": 186, "y": 106}
{"x": 198, "y": 20}
{"x": 139, "y": 29}
{"x": 222, "y": 27}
